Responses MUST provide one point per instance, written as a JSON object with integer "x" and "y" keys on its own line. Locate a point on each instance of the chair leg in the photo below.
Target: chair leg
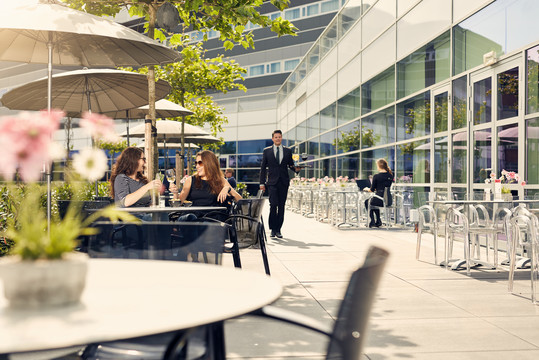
{"x": 467, "y": 253}
{"x": 262, "y": 241}
{"x": 418, "y": 245}
{"x": 435, "y": 248}
{"x": 235, "y": 247}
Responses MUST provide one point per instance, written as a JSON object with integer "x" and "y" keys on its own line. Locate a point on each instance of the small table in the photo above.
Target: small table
{"x": 130, "y": 298}
{"x": 159, "y": 213}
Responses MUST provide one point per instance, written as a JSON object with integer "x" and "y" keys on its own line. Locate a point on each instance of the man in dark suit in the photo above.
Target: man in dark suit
{"x": 277, "y": 159}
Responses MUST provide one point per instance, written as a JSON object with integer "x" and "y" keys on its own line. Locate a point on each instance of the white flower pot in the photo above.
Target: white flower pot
{"x": 44, "y": 283}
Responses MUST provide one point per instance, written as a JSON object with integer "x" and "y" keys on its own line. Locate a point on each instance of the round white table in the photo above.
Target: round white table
{"x": 130, "y": 298}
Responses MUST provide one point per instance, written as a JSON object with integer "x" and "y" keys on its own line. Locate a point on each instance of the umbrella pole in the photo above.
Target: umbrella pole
{"x": 183, "y": 146}
{"x": 49, "y": 107}
{"x": 127, "y": 125}
{"x": 166, "y": 151}
{"x": 93, "y": 141}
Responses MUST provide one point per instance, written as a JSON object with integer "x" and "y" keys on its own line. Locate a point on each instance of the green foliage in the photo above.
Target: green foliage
{"x": 241, "y": 188}
{"x": 113, "y": 147}
{"x": 354, "y": 139}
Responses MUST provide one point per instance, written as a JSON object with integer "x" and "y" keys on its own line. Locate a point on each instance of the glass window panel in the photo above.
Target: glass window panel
{"x": 378, "y": 129}
{"x": 413, "y": 118}
{"x": 303, "y": 148}
{"x": 328, "y": 40}
{"x": 328, "y": 117}
{"x": 275, "y": 67}
{"x": 229, "y": 147}
{"x": 292, "y": 14}
{"x": 253, "y": 146}
{"x": 413, "y": 161}
{"x": 290, "y": 65}
{"x": 329, "y": 5}
{"x": 256, "y": 70}
{"x": 532, "y": 98}
{"x": 441, "y": 111}
{"x": 312, "y": 10}
{"x": 368, "y": 161}
{"x": 425, "y": 67}
{"x": 482, "y": 158}
{"x": 327, "y": 142}
{"x": 313, "y": 127}
{"x": 248, "y": 175}
{"x": 507, "y": 148}
{"x": 482, "y": 101}
{"x": 459, "y": 102}
{"x": 503, "y": 26}
{"x": 459, "y": 168}
{"x": 508, "y": 94}
{"x": 249, "y": 160}
{"x": 532, "y": 151}
{"x": 312, "y": 147}
{"x": 348, "y": 107}
{"x": 441, "y": 162}
{"x": 349, "y": 137}
{"x": 301, "y": 131}
{"x": 349, "y": 15}
{"x": 328, "y": 167}
{"x": 348, "y": 165}
{"x": 378, "y": 91}
{"x": 232, "y": 161}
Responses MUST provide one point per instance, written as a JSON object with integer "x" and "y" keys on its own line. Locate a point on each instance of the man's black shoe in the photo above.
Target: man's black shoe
{"x": 272, "y": 233}
{"x": 278, "y": 234}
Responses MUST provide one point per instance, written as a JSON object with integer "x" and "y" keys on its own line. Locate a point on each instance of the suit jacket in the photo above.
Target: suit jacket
{"x": 273, "y": 169}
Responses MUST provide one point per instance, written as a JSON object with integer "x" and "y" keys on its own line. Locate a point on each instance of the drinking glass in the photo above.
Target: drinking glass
{"x": 171, "y": 175}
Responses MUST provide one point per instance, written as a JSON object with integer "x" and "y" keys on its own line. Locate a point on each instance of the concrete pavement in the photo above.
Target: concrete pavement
{"x": 422, "y": 311}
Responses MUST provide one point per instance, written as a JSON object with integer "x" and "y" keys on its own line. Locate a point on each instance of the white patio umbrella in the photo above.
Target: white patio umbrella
{"x": 163, "y": 109}
{"x": 48, "y": 32}
{"x": 96, "y": 90}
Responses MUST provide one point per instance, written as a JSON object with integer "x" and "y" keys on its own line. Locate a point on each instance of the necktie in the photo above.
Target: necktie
{"x": 277, "y": 156}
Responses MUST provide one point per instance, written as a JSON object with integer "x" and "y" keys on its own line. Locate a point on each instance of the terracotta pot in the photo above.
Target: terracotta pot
{"x": 44, "y": 283}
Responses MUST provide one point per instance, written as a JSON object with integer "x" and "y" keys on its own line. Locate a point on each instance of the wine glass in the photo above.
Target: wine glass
{"x": 171, "y": 175}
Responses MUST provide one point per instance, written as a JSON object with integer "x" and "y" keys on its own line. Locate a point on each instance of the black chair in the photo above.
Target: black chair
{"x": 178, "y": 241}
{"x": 348, "y": 332}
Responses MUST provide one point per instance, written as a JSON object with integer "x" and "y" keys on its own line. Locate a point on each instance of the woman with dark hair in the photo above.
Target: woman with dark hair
{"x": 208, "y": 187}
{"x": 128, "y": 185}
{"x": 380, "y": 182}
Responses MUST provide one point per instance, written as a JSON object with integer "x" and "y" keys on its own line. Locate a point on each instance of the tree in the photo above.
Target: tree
{"x": 229, "y": 17}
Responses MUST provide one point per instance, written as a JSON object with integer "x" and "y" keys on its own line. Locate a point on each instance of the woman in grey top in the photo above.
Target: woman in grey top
{"x": 128, "y": 185}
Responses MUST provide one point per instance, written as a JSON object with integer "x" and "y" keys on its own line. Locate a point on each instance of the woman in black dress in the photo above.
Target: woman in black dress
{"x": 380, "y": 182}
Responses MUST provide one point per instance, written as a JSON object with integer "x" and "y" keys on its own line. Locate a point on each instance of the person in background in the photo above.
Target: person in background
{"x": 128, "y": 185}
{"x": 276, "y": 160}
{"x": 229, "y": 174}
{"x": 380, "y": 182}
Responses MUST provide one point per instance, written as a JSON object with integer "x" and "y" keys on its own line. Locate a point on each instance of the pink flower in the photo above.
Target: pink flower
{"x": 26, "y": 140}
{"x": 523, "y": 183}
{"x": 101, "y": 127}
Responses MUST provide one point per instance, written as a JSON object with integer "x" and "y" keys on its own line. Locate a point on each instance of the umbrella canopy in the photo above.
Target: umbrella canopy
{"x": 168, "y": 129}
{"x": 163, "y": 109}
{"x": 77, "y": 38}
{"x": 99, "y": 90}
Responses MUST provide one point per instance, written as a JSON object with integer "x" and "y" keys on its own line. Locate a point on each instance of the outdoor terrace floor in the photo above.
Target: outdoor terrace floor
{"x": 421, "y": 311}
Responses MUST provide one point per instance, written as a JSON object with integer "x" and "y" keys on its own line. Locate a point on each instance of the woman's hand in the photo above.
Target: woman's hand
{"x": 224, "y": 193}
{"x": 154, "y": 185}
{"x": 173, "y": 188}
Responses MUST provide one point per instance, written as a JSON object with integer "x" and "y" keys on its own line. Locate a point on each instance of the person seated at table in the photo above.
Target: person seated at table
{"x": 380, "y": 182}
{"x": 208, "y": 187}
{"x": 128, "y": 185}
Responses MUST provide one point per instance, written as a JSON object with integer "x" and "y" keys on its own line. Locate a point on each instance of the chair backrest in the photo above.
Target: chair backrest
{"x": 349, "y": 330}
{"x": 456, "y": 222}
{"x": 246, "y": 229}
{"x": 524, "y": 229}
{"x": 179, "y": 241}
{"x": 427, "y": 217}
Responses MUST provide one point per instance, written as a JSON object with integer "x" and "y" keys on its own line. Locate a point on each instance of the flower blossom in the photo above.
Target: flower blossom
{"x": 90, "y": 163}
{"x": 26, "y": 140}
{"x": 101, "y": 127}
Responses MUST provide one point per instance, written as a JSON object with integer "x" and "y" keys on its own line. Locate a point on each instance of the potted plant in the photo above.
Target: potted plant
{"x": 42, "y": 268}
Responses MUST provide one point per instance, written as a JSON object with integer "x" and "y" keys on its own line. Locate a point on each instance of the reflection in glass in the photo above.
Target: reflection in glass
{"x": 302, "y": 148}
{"x": 378, "y": 128}
{"x": 328, "y": 167}
{"x": 413, "y": 117}
{"x": 508, "y": 94}
{"x": 328, "y": 40}
{"x": 507, "y": 148}
{"x": 253, "y": 146}
{"x": 313, "y": 56}
{"x": 348, "y": 16}
{"x": 441, "y": 162}
{"x": 328, "y": 117}
{"x": 459, "y": 102}
{"x": 378, "y": 91}
{"x": 368, "y": 161}
{"x": 250, "y": 160}
{"x": 482, "y": 101}
{"x": 441, "y": 112}
{"x": 458, "y": 166}
{"x": 424, "y": 67}
{"x": 313, "y": 126}
{"x": 312, "y": 147}
{"x": 326, "y": 144}
{"x": 532, "y": 151}
{"x": 413, "y": 161}
{"x": 248, "y": 175}
{"x": 349, "y": 165}
{"x": 348, "y": 107}
{"x": 532, "y": 98}
{"x": 301, "y": 131}
{"x": 228, "y": 148}
{"x": 482, "y": 158}
{"x": 348, "y": 137}
{"x": 503, "y": 26}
